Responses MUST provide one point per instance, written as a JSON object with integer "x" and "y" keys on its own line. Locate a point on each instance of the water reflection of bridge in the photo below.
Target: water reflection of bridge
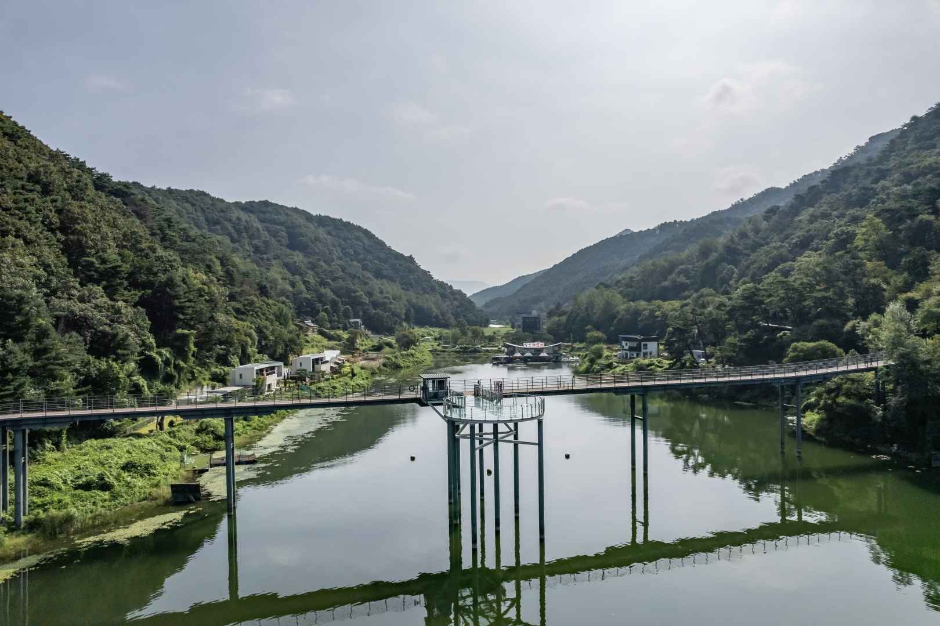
{"x": 480, "y": 594}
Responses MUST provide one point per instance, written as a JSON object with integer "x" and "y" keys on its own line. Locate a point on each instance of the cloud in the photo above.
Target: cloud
{"x": 98, "y": 83}
{"x": 757, "y": 86}
{"x": 355, "y": 187}
{"x": 738, "y": 180}
{"x": 578, "y": 205}
{"x": 414, "y": 117}
{"x": 266, "y": 100}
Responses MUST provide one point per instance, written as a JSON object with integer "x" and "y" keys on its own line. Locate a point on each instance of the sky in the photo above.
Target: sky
{"x": 487, "y": 140}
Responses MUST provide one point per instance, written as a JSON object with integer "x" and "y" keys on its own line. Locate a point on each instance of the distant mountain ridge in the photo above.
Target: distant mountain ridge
{"x": 611, "y": 257}
{"x": 482, "y": 297}
{"x": 468, "y": 286}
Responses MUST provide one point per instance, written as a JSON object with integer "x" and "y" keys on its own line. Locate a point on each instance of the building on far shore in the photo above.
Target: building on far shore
{"x": 528, "y": 322}
{"x": 638, "y": 346}
{"x": 244, "y": 375}
{"x": 356, "y": 324}
{"x": 319, "y": 363}
{"x": 533, "y": 352}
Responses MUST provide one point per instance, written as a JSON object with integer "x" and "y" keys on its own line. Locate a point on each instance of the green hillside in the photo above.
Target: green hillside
{"x": 606, "y": 259}
{"x": 112, "y": 287}
{"x": 851, "y": 263}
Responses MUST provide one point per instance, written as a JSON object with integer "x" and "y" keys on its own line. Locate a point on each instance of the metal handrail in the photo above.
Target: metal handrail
{"x": 411, "y": 390}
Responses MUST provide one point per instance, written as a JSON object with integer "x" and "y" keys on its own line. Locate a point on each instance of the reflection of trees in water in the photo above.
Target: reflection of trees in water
{"x": 898, "y": 510}
{"x": 357, "y": 431}
{"x": 115, "y": 580}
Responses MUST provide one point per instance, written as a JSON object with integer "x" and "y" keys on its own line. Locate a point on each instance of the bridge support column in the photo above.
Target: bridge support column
{"x": 473, "y": 487}
{"x": 230, "y": 463}
{"x": 480, "y": 468}
{"x": 25, "y": 471}
{"x": 451, "y": 479}
{"x": 496, "y": 480}
{"x": 4, "y": 471}
{"x": 783, "y": 419}
{"x": 646, "y": 431}
{"x": 633, "y": 432}
{"x": 541, "y": 482}
{"x": 515, "y": 469}
{"x": 19, "y": 490}
{"x": 799, "y": 418}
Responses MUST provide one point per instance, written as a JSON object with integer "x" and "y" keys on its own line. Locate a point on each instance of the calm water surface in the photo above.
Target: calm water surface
{"x": 341, "y": 526}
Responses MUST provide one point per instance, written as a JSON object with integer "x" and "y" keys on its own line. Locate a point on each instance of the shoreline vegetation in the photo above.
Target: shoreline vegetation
{"x": 87, "y": 481}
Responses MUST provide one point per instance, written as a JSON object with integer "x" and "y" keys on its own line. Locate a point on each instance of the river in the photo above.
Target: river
{"x": 339, "y": 524}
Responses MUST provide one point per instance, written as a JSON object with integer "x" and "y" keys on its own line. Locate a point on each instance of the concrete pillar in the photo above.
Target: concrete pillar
{"x": 4, "y": 471}
{"x": 645, "y": 436}
{"x": 496, "y": 477}
{"x": 633, "y": 507}
{"x": 18, "y": 491}
{"x": 632, "y": 431}
{"x": 646, "y": 507}
{"x": 799, "y": 419}
{"x": 783, "y": 419}
{"x": 473, "y": 488}
{"x": 515, "y": 468}
{"x": 230, "y": 463}
{"x": 541, "y": 481}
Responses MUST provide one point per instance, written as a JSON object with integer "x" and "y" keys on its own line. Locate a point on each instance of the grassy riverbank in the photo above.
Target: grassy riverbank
{"x": 84, "y": 486}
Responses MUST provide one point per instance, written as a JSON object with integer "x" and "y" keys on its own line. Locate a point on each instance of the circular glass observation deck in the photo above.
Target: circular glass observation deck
{"x": 488, "y": 406}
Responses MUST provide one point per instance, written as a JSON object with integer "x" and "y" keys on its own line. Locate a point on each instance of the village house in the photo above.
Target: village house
{"x": 319, "y": 363}
{"x": 244, "y": 375}
{"x": 638, "y": 346}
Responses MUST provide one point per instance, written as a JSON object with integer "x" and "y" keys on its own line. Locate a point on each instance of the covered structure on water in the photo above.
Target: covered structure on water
{"x": 532, "y": 352}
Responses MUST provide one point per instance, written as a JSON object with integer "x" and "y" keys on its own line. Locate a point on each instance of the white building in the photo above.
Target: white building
{"x": 245, "y": 375}
{"x": 320, "y": 362}
{"x": 638, "y": 346}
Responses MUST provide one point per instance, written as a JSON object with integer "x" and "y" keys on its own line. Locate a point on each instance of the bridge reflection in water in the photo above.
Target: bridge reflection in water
{"x": 474, "y": 592}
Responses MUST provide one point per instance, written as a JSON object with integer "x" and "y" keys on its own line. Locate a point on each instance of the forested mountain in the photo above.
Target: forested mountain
{"x": 112, "y": 287}
{"x": 853, "y": 260}
{"x": 606, "y": 259}
{"x": 485, "y": 295}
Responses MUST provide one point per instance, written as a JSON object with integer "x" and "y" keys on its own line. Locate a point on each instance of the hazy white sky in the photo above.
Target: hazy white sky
{"x": 486, "y": 139}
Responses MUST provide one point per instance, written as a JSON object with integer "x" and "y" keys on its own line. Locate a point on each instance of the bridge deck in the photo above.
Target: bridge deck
{"x": 60, "y": 411}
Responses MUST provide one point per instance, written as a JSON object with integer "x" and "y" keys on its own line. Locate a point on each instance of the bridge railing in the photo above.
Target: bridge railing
{"x": 410, "y": 390}
{"x": 536, "y": 384}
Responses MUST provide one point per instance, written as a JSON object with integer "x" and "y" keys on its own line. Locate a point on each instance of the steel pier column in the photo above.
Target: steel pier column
{"x": 473, "y": 487}
{"x": 482, "y": 473}
{"x": 645, "y": 436}
{"x": 450, "y": 471}
{"x": 541, "y": 482}
{"x": 25, "y": 471}
{"x": 515, "y": 467}
{"x": 4, "y": 471}
{"x": 230, "y": 463}
{"x": 496, "y": 477}
{"x": 632, "y": 431}
{"x": 799, "y": 418}
{"x": 783, "y": 420}
{"x": 18, "y": 491}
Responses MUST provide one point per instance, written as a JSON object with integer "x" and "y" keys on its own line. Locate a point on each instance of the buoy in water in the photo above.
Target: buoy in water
{"x": 412, "y": 458}
{"x": 567, "y": 456}
{"x": 489, "y": 472}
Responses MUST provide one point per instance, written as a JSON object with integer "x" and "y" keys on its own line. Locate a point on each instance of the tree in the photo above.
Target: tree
{"x": 595, "y": 337}
{"x": 353, "y": 337}
{"x": 406, "y": 339}
{"x": 802, "y": 351}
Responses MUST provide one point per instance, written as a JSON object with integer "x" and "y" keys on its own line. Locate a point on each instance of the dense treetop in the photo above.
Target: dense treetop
{"x": 111, "y": 287}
